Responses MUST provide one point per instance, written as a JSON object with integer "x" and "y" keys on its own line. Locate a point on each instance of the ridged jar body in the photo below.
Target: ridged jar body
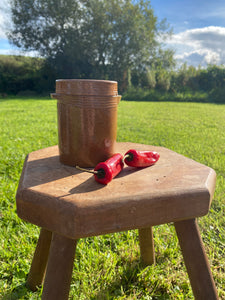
{"x": 87, "y": 120}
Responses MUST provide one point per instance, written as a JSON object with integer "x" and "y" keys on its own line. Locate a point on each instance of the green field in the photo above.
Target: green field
{"x": 108, "y": 267}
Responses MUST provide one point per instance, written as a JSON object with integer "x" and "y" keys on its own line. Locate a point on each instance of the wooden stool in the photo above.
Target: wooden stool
{"x": 69, "y": 204}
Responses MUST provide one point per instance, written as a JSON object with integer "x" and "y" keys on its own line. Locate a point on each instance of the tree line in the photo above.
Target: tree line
{"x": 186, "y": 83}
{"x": 26, "y": 75}
{"x": 118, "y": 40}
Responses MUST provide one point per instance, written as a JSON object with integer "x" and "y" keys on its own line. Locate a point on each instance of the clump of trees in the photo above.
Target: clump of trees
{"x": 91, "y": 39}
{"x": 119, "y": 40}
{"x": 184, "y": 84}
{"x": 26, "y": 75}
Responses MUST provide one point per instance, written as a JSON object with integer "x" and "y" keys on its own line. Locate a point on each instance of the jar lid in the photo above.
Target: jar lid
{"x": 87, "y": 87}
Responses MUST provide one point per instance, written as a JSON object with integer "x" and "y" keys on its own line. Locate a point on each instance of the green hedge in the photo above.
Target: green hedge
{"x": 139, "y": 94}
{"x": 20, "y": 74}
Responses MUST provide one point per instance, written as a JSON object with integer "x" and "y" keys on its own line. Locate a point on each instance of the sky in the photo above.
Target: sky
{"x": 198, "y": 30}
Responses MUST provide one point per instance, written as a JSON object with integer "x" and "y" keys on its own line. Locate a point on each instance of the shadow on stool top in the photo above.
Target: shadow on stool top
{"x": 60, "y": 198}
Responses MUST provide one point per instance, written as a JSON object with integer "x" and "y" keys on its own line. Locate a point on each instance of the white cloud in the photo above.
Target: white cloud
{"x": 4, "y": 17}
{"x": 2, "y": 31}
{"x": 199, "y": 57}
{"x": 200, "y": 45}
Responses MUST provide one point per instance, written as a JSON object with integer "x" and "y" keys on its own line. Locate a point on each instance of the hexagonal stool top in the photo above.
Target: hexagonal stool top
{"x": 63, "y": 199}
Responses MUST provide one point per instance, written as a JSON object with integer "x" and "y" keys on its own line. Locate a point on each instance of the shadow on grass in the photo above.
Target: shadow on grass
{"x": 19, "y": 292}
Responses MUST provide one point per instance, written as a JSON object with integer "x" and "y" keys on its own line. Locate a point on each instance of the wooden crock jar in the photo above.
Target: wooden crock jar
{"x": 87, "y": 120}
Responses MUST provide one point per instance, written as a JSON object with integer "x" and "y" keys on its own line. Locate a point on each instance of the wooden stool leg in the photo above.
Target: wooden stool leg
{"x": 196, "y": 261}
{"x": 39, "y": 262}
{"x": 147, "y": 245}
{"x": 59, "y": 269}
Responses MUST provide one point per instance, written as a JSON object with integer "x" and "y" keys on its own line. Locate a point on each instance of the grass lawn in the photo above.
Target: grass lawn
{"x": 108, "y": 267}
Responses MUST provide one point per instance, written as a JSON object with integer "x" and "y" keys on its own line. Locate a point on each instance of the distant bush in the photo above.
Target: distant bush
{"x": 20, "y": 73}
{"x": 217, "y": 95}
{"x": 139, "y": 94}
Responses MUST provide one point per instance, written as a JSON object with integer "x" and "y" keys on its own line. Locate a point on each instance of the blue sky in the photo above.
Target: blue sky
{"x": 199, "y": 29}
{"x": 198, "y": 26}
{"x": 189, "y": 14}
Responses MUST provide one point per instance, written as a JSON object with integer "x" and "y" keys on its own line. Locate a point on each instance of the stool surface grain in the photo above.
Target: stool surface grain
{"x": 65, "y": 200}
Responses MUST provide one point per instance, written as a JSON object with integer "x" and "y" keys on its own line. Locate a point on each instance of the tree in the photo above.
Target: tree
{"x": 90, "y": 38}
{"x": 163, "y": 80}
{"x": 151, "y": 78}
